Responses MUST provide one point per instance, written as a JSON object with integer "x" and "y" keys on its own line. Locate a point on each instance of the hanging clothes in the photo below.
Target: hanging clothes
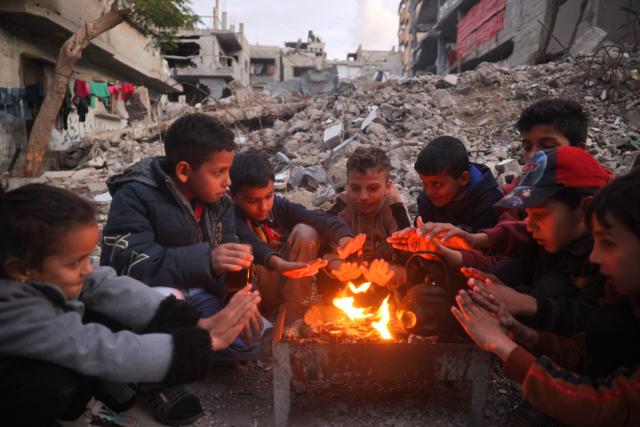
{"x": 82, "y": 89}
{"x": 65, "y": 109}
{"x": 99, "y": 90}
{"x": 126, "y": 90}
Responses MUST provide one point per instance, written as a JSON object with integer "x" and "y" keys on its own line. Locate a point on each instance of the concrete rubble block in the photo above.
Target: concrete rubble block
{"x": 632, "y": 117}
{"x": 373, "y": 114}
{"x": 81, "y": 174}
{"x": 347, "y": 147}
{"x": 588, "y": 42}
{"x": 299, "y": 126}
{"x": 449, "y": 80}
{"x": 311, "y": 177}
{"x": 443, "y": 99}
{"x": 58, "y": 174}
{"x": 487, "y": 73}
{"x": 323, "y": 195}
{"x": 333, "y": 135}
{"x": 377, "y": 129}
{"x": 282, "y": 178}
{"x": 338, "y": 173}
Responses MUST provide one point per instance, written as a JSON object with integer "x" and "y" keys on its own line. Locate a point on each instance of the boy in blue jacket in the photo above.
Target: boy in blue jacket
{"x": 281, "y": 231}
{"x": 456, "y": 191}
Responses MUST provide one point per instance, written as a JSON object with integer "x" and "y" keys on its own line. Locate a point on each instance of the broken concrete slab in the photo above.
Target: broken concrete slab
{"x": 373, "y": 114}
{"x": 311, "y": 177}
{"x": 443, "y": 99}
{"x": 508, "y": 166}
{"x": 333, "y": 135}
{"x": 588, "y": 41}
{"x": 299, "y": 126}
{"x": 447, "y": 81}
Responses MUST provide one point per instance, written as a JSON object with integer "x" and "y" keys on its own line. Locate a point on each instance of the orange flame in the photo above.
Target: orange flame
{"x": 346, "y": 305}
{"x": 382, "y": 325}
{"x": 359, "y": 289}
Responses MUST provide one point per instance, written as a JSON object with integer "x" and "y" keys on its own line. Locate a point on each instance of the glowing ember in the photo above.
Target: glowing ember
{"x": 359, "y": 289}
{"x": 346, "y": 305}
{"x": 382, "y": 325}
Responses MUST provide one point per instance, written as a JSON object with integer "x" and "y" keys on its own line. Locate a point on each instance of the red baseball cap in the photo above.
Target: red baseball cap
{"x": 550, "y": 171}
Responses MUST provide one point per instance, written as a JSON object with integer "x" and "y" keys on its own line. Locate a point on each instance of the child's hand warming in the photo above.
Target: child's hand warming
{"x": 347, "y": 271}
{"x": 227, "y": 324}
{"x": 483, "y": 328}
{"x": 518, "y": 304}
{"x": 379, "y": 272}
{"x": 231, "y": 257}
{"x": 447, "y": 234}
{"x": 517, "y": 331}
{"x": 298, "y": 270}
{"x": 350, "y": 245}
{"x": 412, "y": 240}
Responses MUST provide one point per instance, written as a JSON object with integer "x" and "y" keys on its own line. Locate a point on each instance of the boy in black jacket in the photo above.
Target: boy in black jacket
{"x": 455, "y": 191}
{"x": 283, "y": 234}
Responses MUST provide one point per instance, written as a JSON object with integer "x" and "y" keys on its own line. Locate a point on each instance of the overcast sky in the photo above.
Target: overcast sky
{"x": 341, "y": 24}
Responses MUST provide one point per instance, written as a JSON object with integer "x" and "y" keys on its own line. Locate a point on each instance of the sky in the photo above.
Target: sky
{"x": 341, "y": 24}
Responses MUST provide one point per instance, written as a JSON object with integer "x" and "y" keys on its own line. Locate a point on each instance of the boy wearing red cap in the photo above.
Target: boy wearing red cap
{"x": 563, "y": 287}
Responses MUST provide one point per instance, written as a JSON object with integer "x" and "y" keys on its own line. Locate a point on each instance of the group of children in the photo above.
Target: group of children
{"x": 550, "y": 268}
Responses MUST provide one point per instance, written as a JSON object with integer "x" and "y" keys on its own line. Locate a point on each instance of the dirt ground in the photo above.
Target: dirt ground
{"x": 241, "y": 394}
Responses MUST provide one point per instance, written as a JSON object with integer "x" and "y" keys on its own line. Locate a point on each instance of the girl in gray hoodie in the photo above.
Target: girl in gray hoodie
{"x": 51, "y": 354}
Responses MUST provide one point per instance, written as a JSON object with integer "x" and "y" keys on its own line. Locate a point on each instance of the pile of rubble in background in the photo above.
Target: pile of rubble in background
{"x": 309, "y": 140}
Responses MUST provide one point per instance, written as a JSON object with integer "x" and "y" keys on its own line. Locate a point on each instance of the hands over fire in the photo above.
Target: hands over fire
{"x": 350, "y": 245}
{"x": 305, "y": 269}
{"x": 379, "y": 272}
{"x": 347, "y": 271}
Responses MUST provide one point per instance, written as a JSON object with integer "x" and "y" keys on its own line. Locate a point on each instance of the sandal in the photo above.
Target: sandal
{"x": 173, "y": 406}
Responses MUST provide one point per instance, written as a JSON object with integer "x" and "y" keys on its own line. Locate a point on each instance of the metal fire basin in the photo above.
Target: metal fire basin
{"x": 395, "y": 362}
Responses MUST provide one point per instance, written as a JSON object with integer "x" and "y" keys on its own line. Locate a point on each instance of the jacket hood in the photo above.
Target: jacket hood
{"x": 149, "y": 171}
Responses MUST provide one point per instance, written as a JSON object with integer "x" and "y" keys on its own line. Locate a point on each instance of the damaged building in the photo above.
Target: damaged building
{"x": 273, "y": 65}
{"x": 377, "y": 64}
{"x": 440, "y": 36}
{"x": 114, "y": 83}
{"x": 206, "y": 60}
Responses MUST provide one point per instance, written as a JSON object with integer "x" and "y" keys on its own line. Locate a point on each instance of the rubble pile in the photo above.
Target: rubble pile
{"x": 479, "y": 107}
{"x": 310, "y": 145}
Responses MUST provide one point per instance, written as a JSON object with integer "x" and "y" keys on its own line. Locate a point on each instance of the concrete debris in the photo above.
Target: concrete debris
{"x": 447, "y": 81}
{"x": 373, "y": 114}
{"x": 333, "y": 135}
{"x": 310, "y": 140}
{"x": 443, "y": 99}
{"x": 588, "y": 42}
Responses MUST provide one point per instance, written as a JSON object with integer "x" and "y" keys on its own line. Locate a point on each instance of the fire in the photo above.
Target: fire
{"x": 382, "y": 325}
{"x": 360, "y": 289}
{"x": 346, "y": 305}
{"x": 380, "y": 320}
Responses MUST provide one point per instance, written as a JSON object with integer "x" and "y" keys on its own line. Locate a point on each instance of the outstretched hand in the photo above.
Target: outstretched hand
{"x": 347, "y": 271}
{"x": 226, "y": 325}
{"x": 304, "y": 269}
{"x": 515, "y": 302}
{"x": 379, "y": 272}
{"x": 483, "y": 328}
{"x": 350, "y": 246}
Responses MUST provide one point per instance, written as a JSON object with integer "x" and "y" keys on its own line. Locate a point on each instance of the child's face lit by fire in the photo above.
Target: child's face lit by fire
{"x": 255, "y": 202}
{"x": 616, "y": 250}
{"x": 554, "y": 225}
{"x": 442, "y": 189}
{"x": 366, "y": 191}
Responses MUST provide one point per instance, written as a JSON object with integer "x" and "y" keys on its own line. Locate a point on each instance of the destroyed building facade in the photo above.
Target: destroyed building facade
{"x": 31, "y": 34}
{"x": 441, "y": 36}
{"x": 205, "y": 60}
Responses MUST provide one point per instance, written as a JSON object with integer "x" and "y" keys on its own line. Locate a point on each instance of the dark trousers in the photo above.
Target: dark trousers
{"x": 35, "y": 393}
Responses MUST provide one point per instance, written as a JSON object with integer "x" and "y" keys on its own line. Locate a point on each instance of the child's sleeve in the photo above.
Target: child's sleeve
{"x": 129, "y": 246}
{"x": 290, "y": 214}
{"x": 576, "y": 399}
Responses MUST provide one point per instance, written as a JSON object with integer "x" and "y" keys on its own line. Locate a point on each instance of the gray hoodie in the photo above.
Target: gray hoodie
{"x": 37, "y": 321}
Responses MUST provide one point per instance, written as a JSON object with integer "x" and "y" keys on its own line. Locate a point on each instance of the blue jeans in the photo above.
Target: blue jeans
{"x": 207, "y": 305}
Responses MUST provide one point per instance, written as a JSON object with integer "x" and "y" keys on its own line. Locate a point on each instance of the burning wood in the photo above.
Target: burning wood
{"x": 348, "y": 321}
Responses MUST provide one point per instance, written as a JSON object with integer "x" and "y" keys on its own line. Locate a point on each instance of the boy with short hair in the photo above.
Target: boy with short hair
{"x": 371, "y": 205}
{"x": 170, "y": 224}
{"x": 542, "y": 362}
{"x": 284, "y": 235}
{"x": 545, "y": 124}
{"x": 456, "y": 191}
